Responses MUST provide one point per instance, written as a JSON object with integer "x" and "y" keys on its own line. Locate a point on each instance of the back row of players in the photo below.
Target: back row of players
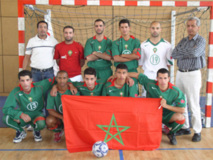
{"x": 99, "y": 51}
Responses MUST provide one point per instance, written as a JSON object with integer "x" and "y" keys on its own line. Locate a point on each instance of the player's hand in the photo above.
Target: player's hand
{"x": 163, "y": 103}
{"x": 111, "y": 78}
{"x": 25, "y": 117}
{"x": 73, "y": 89}
{"x": 53, "y": 91}
{"x": 94, "y": 52}
{"x": 17, "y": 120}
{"x": 130, "y": 81}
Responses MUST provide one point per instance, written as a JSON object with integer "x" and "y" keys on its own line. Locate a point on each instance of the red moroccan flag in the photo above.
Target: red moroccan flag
{"x": 123, "y": 123}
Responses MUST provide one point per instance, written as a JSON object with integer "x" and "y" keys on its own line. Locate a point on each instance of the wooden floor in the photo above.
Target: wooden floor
{"x": 49, "y": 150}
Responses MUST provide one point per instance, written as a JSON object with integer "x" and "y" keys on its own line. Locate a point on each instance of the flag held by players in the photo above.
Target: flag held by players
{"x": 123, "y": 123}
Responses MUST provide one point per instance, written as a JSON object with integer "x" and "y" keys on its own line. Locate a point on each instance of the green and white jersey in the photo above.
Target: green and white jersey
{"x": 121, "y": 46}
{"x": 155, "y": 56}
{"x": 32, "y": 102}
{"x": 173, "y": 95}
{"x": 92, "y": 45}
{"x": 54, "y": 103}
{"x": 83, "y": 90}
{"x": 109, "y": 89}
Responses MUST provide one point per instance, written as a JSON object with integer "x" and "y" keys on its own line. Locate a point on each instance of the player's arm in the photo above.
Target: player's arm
{"x": 116, "y": 53}
{"x": 133, "y": 74}
{"x": 118, "y": 58}
{"x": 10, "y": 105}
{"x": 172, "y": 108}
{"x": 103, "y": 56}
{"x": 88, "y": 50}
{"x": 82, "y": 62}
{"x": 54, "y": 113}
{"x": 26, "y": 61}
{"x": 57, "y": 54}
{"x": 134, "y": 55}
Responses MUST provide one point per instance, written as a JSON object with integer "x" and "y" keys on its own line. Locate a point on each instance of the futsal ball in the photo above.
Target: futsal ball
{"x": 100, "y": 149}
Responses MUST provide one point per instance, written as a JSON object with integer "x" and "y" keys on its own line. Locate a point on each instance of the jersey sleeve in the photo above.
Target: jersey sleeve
{"x": 88, "y": 49}
{"x": 169, "y": 55}
{"x": 10, "y": 105}
{"x": 46, "y": 84}
{"x": 50, "y": 102}
{"x": 143, "y": 79}
{"x": 180, "y": 101}
{"x": 57, "y": 54}
{"x": 133, "y": 91}
{"x": 104, "y": 90}
{"x": 81, "y": 51}
{"x": 109, "y": 47}
{"x": 115, "y": 48}
{"x": 29, "y": 47}
{"x": 137, "y": 46}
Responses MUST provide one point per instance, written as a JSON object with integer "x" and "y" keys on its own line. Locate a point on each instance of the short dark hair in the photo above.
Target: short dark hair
{"x": 163, "y": 71}
{"x": 62, "y": 71}
{"x": 24, "y": 73}
{"x": 121, "y": 66}
{"x": 42, "y": 22}
{"x": 90, "y": 71}
{"x": 99, "y": 20}
{"x": 71, "y": 27}
{"x": 124, "y": 21}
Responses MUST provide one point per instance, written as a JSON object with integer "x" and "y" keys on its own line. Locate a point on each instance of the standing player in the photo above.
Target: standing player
{"x": 173, "y": 99}
{"x": 98, "y": 52}
{"x": 29, "y": 98}
{"x": 54, "y": 106}
{"x": 69, "y": 55}
{"x": 91, "y": 86}
{"x": 155, "y": 53}
{"x": 39, "y": 51}
{"x": 118, "y": 86}
{"x": 126, "y": 49}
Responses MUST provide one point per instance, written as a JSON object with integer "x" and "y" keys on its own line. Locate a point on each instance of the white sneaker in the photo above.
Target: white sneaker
{"x": 19, "y": 136}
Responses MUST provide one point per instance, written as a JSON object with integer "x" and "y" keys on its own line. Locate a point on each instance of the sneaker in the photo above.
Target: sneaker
{"x": 165, "y": 129}
{"x": 19, "y": 136}
{"x": 196, "y": 137}
{"x": 37, "y": 136}
{"x": 58, "y": 136}
{"x": 183, "y": 132}
{"x": 172, "y": 138}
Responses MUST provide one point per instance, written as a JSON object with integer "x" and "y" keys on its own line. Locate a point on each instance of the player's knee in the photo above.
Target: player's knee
{"x": 180, "y": 117}
{"x": 51, "y": 121}
{"x": 40, "y": 125}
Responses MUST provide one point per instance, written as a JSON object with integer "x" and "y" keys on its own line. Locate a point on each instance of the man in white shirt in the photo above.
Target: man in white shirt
{"x": 40, "y": 51}
{"x": 155, "y": 53}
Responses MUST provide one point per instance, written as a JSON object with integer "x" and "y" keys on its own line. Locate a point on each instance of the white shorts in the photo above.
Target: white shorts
{"x": 77, "y": 78}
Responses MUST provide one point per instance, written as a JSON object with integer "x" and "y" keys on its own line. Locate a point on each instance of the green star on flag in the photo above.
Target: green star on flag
{"x": 115, "y": 126}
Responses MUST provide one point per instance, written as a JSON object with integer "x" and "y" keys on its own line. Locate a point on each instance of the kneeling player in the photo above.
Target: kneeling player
{"x": 29, "y": 98}
{"x": 55, "y": 119}
{"x": 173, "y": 99}
{"x": 119, "y": 86}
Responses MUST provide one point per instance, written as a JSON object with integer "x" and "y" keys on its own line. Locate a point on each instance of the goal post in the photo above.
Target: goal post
{"x": 137, "y": 24}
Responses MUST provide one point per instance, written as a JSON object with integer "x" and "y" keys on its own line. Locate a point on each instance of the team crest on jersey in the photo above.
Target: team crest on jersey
{"x": 99, "y": 48}
{"x": 154, "y": 59}
{"x": 32, "y": 106}
{"x": 126, "y": 51}
{"x": 126, "y": 46}
{"x": 60, "y": 109}
{"x": 91, "y": 94}
{"x": 69, "y": 52}
{"x": 30, "y": 99}
{"x": 121, "y": 94}
{"x": 155, "y": 50}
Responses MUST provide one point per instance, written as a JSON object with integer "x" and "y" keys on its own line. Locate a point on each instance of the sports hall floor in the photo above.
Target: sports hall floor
{"x": 49, "y": 150}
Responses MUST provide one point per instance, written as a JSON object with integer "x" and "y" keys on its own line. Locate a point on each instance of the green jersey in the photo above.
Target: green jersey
{"x": 121, "y": 46}
{"x": 109, "y": 89}
{"x": 31, "y": 102}
{"x": 92, "y": 45}
{"x": 82, "y": 88}
{"x": 173, "y": 95}
{"x": 55, "y": 102}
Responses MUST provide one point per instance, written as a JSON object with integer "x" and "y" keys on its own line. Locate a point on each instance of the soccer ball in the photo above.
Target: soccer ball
{"x": 100, "y": 149}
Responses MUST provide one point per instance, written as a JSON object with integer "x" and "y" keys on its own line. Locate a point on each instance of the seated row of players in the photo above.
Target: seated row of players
{"x": 29, "y": 98}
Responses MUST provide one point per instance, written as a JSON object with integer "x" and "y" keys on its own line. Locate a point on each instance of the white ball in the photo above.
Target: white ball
{"x": 100, "y": 149}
